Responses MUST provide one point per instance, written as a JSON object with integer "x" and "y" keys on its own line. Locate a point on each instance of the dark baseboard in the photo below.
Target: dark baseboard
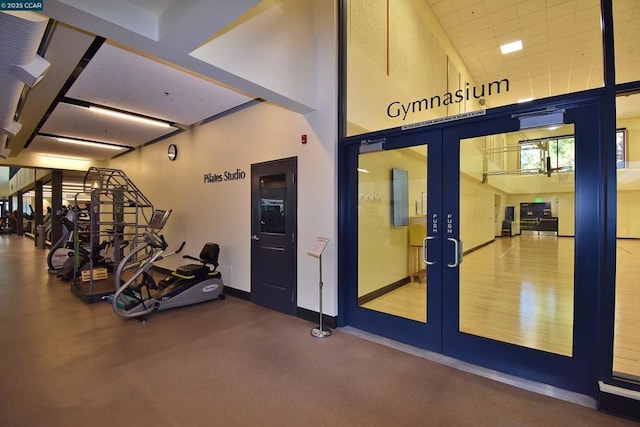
{"x": 468, "y": 251}
{"x": 383, "y": 290}
{"x": 313, "y": 316}
{"x": 236, "y": 293}
{"x": 302, "y": 313}
{"x": 619, "y": 406}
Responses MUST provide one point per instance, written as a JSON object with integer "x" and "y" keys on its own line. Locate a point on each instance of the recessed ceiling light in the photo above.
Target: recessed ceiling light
{"x": 511, "y": 47}
{"x": 66, "y": 159}
{"x": 90, "y": 143}
{"x": 520, "y": 101}
{"x": 129, "y": 117}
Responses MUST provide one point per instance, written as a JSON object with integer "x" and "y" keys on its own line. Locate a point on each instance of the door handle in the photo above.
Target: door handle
{"x": 254, "y": 237}
{"x": 424, "y": 250}
{"x": 457, "y": 247}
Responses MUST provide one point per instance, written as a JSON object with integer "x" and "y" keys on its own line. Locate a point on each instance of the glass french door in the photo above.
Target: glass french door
{"x": 399, "y": 198}
{"x": 480, "y": 241}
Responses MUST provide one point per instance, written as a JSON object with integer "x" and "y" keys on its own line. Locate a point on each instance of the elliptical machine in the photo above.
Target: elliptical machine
{"x": 140, "y": 295}
{"x": 63, "y": 248}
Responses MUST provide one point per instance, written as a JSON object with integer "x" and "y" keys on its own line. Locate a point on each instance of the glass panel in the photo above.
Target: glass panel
{"x": 626, "y": 345}
{"x": 626, "y": 27}
{"x": 273, "y": 196}
{"x": 392, "y": 208}
{"x": 517, "y": 228}
{"x": 415, "y": 60}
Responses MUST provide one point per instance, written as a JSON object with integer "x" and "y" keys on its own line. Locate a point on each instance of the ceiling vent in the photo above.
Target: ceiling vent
{"x": 4, "y": 152}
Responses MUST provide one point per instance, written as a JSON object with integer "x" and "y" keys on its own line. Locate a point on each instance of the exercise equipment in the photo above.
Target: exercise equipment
{"x": 9, "y": 224}
{"x": 68, "y": 256}
{"x": 117, "y": 212}
{"x": 140, "y": 295}
{"x": 42, "y": 230}
{"x": 63, "y": 248}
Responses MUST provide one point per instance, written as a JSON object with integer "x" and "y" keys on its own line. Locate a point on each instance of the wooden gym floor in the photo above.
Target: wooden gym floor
{"x": 520, "y": 290}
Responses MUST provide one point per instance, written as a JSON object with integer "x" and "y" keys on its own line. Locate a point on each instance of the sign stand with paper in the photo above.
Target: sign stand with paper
{"x": 316, "y": 252}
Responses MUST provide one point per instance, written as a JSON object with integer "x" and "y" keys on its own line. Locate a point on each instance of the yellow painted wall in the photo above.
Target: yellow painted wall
{"x": 416, "y": 61}
{"x": 628, "y": 215}
{"x": 480, "y": 218}
{"x": 383, "y": 250}
{"x": 477, "y": 212}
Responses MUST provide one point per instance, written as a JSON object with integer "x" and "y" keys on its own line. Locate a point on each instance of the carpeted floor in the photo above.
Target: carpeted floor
{"x": 225, "y": 363}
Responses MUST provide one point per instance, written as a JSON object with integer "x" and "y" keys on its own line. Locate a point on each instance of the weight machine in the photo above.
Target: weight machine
{"x": 118, "y": 215}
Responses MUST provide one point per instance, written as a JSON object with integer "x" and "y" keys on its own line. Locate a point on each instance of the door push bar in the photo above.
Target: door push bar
{"x": 424, "y": 250}
{"x": 458, "y": 251}
{"x": 457, "y": 246}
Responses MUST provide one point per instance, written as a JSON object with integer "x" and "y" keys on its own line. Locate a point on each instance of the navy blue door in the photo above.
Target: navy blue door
{"x": 396, "y": 227}
{"x": 273, "y": 235}
{"x": 479, "y": 240}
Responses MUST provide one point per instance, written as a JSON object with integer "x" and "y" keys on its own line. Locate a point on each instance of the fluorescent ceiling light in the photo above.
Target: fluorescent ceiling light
{"x": 64, "y": 159}
{"x": 511, "y": 47}
{"x": 129, "y": 117}
{"x": 90, "y": 143}
{"x": 520, "y": 101}
{"x": 363, "y": 170}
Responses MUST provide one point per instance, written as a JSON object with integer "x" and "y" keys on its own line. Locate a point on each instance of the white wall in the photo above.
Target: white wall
{"x": 220, "y": 212}
{"x": 270, "y": 48}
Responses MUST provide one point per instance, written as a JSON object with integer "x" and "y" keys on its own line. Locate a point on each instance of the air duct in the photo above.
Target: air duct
{"x": 20, "y": 36}
{"x": 32, "y": 72}
{"x": 11, "y": 128}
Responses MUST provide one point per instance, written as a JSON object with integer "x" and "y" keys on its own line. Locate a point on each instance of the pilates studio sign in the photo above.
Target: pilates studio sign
{"x": 468, "y": 92}
{"x": 210, "y": 178}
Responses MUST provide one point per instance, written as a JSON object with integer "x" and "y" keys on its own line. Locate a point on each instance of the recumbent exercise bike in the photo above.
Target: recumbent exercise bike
{"x": 140, "y": 295}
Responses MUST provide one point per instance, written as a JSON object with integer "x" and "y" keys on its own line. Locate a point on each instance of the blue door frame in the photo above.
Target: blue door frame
{"x": 578, "y": 373}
